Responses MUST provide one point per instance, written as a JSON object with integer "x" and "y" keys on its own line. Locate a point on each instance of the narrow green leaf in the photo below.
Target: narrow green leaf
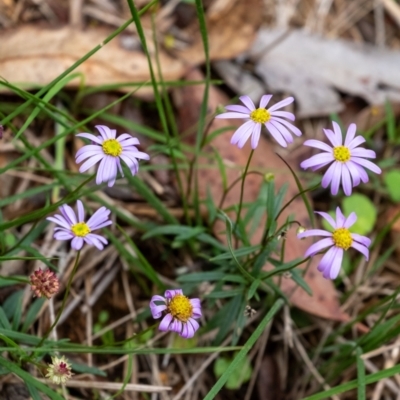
{"x": 243, "y": 251}
{"x": 4, "y": 322}
{"x": 253, "y": 288}
{"x": 372, "y": 378}
{"x": 32, "y": 314}
{"x": 360, "y": 375}
{"x": 246, "y": 348}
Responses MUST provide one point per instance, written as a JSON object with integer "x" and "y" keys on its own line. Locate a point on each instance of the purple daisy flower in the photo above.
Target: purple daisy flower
{"x": 348, "y": 160}
{"x": 79, "y": 231}
{"x": 180, "y": 312}
{"x": 274, "y": 120}
{"x": 339, "y": 240}
{"x": 109, "y": 150}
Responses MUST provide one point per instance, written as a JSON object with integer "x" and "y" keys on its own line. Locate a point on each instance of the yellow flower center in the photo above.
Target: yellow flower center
{"x": 341, "y": 153}
{"x": 180, "y": 307}
{"x": 342, "y": 238}
{"x": 260, "y": 116}
{"x": 80, "y": 229}
{"x": 112, "y": 147}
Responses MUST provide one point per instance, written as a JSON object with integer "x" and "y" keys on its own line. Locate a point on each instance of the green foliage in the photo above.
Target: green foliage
{"x": 241, "y": 374}
{"x": 392, "y": 182}
{"x": 365, "y": 210}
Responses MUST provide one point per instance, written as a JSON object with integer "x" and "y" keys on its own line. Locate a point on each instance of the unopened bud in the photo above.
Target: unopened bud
{"x": 269, "y": 177}
{"x": 300, "y": 230}
{"x": 220, "y": 109}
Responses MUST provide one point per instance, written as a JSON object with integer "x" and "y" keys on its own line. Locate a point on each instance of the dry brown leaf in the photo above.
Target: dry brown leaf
{"x": 32, "y": 55}
{"x": 324, "y": 302}
{"x": 230, "y": 31}
{"x": 314, "y": 69}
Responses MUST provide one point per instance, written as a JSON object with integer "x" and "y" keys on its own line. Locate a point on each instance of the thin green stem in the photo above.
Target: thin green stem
{"x": 159, "y": 103}
{"x": 241, "y": 196}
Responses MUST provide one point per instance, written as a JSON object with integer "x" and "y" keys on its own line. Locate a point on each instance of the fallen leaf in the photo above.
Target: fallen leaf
{"x": 314, "y": 69}
{"x": 32, "y": 56}
{"x": 230, "y": 30}
{"x": 324, "y": 302}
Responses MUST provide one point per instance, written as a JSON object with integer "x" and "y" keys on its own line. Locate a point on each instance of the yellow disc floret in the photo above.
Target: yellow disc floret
{"x": 260, "y": 116}
{"x": 341, "y": 153}
{"x": 342, "y": 238}
{"x": 180, "y": 308}
{"x": 112, "y": 147}
{"x": 80, "y": 229}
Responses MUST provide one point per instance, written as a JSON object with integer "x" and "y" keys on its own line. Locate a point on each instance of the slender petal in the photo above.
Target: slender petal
{"x": 326, "y": 261}
{"x": 350, "y": 220}
{"x": 165, "y": 322}
{"x": 60, "y": 221}
{"x": 239, "y": 109}
{"x": 340, "y": 218}
{"x": 62, "y": 235}
{"x": 365, "y": 153}
{"x": 265, "y": 100}
{"x": 313, "y": 232}
{"x": 331, "y": 137}
{"x": 284, "y": 114}
{"x": 338, "y": 133}
{"x": 91, "y": 137}
{"x": 351, "y": 132}
{"x": 242, "y": 131}
{"x": 367, "y": 164}
{"x": 336, "y": 264}
{"x": 255, "y": 137}
{"x": 244, "y": 137}
{"x": 362, "y": 249}
{"x": 318, "y": 145}
{"x": 68, "y": 214}
{"x": 157, "y": 310}
{"x": 276, "y": 134}
{"x": 353, "y": 171}
{"x": 328, "y": 218}
{"x": 316, "y": 160}
{"x": 283, "y": 130}
{"x": 356, "y": 142}
{"x": 346, "y": 180}
{"x": 106, "y": 132}
{"x": 81, "y": 211}
{"x": 231, "y": 115}
{"x": 77, "y": 243}
{"x": 288, "y": 125}
{"x": 89, "y": 163}
{"x": 361, "y": 239}
{"x": 281, "y": 104}
{"x": 247, "y": 102}
{"x": 318, "y": 246}
{"x": 195, "y": 302}
{"x": 169, "y": 294}
{"x": 337, "y": 175}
